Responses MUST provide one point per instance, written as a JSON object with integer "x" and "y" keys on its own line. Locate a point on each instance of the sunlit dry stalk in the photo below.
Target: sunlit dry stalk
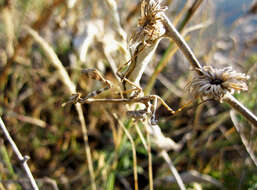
{"x": 171, "y": 49}
{"x": 143, "y": 45}
{"x": 153, "y": 25}
{"x": 133, "y": 150}
{"x": 171, "y": 31}
{"x": 39, "y": 23}
{"x": 9, "y": 27}
{"x": 145, "y": 40}
{"x": 64, "y": 77}
{"x": 116, "y": 20}
{"x": 150, "y": 168}
{"x": 141, "y": 136}
{"x": 23, "y": 159}
{"x": 175, "y": 173}
{"x": 121, "y": 40}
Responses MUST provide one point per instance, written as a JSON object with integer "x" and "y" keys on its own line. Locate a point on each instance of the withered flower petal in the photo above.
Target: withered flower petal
{"x": 215, "y": 83}
{"x": 150, "y": 23}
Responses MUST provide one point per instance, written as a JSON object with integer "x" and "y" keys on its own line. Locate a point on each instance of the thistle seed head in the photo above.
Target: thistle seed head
{"x": 150, "y": 23}
{"x": 215, "y": 83}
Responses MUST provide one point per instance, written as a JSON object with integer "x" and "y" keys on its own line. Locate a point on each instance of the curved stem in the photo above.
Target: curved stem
{"x": 63, "y": 75}
{"x": 174, "y": 171}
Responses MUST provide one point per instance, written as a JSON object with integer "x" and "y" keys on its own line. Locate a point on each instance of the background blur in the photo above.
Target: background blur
{"x": 31, "y": 95}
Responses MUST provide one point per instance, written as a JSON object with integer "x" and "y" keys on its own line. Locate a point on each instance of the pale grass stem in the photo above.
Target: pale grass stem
{"x": 133, "y": 150}
{"x": 64, "y": 77}
{"x": 144, "y": 45}
{"x": 23, "y": 159}
{"x": 174, "y": 171}
{"x": 150, "y": 168}
{"x": 9, "y": 27}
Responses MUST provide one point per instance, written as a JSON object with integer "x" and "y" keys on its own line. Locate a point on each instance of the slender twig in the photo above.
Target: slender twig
{"x": 72, "y": 89}
{"x": 150, "y": 168}
{"x": 23, "y": 159}
{"x": 172, "y": 32}
{"x": 174, "y": 171}
{"x": 170, "y": 51}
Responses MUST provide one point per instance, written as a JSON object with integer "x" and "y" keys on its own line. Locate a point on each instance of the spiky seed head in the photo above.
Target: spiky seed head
{"x": 150, "y": 26}
{"x": 215, "y": 83}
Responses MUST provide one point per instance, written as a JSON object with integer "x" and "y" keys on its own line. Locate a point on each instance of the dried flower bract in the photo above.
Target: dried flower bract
{"x": 215, "y": 83}
{"x": 151, "y": 27}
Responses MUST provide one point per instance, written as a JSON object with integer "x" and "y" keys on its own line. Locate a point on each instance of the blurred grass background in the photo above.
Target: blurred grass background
{"x": 31, "y": 95}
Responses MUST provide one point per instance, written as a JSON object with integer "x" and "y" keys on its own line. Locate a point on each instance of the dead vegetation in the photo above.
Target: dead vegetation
{"x": 95, "y": 93}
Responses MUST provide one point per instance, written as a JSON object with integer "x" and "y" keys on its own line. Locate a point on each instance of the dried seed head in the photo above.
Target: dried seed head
{"x": 150, "y": 24}
{"x": 216, "y": 83}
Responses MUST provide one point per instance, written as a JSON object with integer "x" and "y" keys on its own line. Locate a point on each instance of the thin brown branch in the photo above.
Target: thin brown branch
{"x": 239, "y": 107}
{"x": 174, "y": 34}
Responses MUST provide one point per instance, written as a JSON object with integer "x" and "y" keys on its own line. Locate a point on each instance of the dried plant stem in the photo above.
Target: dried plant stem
{"x": 64, "y": 77}
{"x": 133, "y": 150}
{"x": 150, "y": 169}
{"x": 141, "y": 136}
{"x": 139, "y": 62}
{"x": 172, "y": 32}
{"x": 9, "y": 27}
{"x": 171, "y": 49}
{"x": 238, "y": 106}
{"x": 140, "y": 58}
{"x": 23, "y": 160}
{"x": 112, "y": 5}
{"x": 175, "y": 173}
{"x": 178, "y": 39}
